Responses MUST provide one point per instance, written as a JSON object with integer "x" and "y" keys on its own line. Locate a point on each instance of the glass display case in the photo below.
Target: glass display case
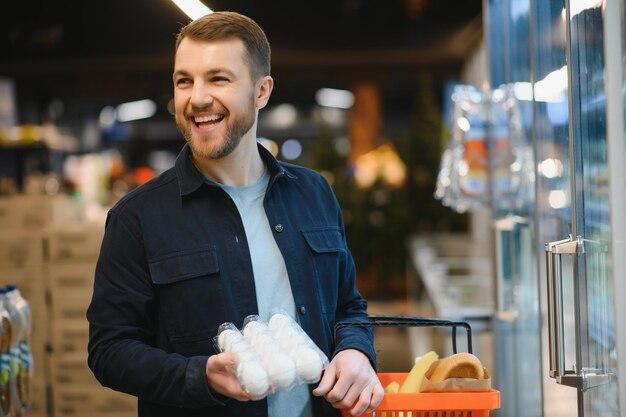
{"x": 592, "y": 370}
{"x": 517, "y": 344}
{"x": 559, "y": 249}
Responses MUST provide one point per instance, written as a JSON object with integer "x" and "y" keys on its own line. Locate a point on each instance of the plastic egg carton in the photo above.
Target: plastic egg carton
{"x": 272, "y": 356}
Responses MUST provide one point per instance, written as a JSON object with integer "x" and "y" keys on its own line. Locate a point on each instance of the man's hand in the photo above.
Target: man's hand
{"x": 222, "y": 379}
{"x": 350, "y": 383}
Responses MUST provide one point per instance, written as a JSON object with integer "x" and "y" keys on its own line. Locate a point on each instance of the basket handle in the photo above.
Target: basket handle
{"x": 411, "y": 321}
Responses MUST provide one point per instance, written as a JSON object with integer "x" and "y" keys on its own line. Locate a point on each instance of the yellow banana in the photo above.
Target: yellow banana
{"x": 392, "y": 388}
{"x": 413, "y": 381}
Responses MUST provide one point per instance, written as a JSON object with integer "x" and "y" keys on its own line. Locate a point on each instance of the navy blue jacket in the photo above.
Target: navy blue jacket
{"x": 175, "y": 264}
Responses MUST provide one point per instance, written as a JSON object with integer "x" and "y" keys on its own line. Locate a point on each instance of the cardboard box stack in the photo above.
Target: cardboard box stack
{"x": 48, "y": 250}
{"x": 22, "y": 264}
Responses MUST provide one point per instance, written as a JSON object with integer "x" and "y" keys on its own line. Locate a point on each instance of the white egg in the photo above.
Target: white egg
{"x": 279, "y": 320}
{"x": 287, "y": 343}
{"x": 302, "y": 337}
{"x": 285, "y": 335}
{"x": 253, "y": 328}
{"x": 225, "y": 338}
{"x": 261, "y": 339}
{"x": 289, "y": 331}
{"x": 239, "y": 345}
{"x": 267, "y": 349}
{"x": 282, "y": 371}
{"x": 308, "y": 363}
{"x": 253, "y": 378}
{"x": 246, "y": 355}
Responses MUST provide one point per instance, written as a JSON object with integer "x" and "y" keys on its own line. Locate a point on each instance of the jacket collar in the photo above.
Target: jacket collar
{"x": 190, "y": 178}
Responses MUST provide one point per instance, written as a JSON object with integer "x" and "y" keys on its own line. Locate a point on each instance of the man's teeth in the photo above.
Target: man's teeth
{"x": 205, "y": 119}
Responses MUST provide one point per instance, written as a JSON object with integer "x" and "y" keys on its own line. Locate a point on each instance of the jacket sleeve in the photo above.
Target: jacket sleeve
{"x": 351, "y": 306}
{"x": 122, "y": 328}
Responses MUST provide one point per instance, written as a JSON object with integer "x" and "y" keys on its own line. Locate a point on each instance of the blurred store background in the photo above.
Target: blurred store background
{"x": 467, "y": 142}
{"x": 358, "y": 96}
{"x": 86, "y": 115}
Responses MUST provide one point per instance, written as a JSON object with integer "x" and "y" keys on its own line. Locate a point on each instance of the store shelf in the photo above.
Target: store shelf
{"x": 15, "y": 160}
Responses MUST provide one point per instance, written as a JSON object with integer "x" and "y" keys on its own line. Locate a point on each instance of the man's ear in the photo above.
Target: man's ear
{"x": 264, "y": 90}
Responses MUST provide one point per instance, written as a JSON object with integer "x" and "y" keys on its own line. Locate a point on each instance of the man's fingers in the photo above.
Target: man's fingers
{"x": 221, "y": 362}
{"x": 342, "y": 395}
{"x": 363, "y": 402}
{"x": 326, "y": 383}
{"x": 345, "y": 392}
{"x": 221, "y": 376}
{"x": 378, "y": 393}
{"x": 235, "y": 391}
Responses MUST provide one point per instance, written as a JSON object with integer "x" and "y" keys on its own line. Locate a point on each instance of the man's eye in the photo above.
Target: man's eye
{"x": 219, "y": 79}
{"x": 183, "y": 81}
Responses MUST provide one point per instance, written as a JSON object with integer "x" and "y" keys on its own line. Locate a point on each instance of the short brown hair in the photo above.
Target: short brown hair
{"x": 225, "y": 25}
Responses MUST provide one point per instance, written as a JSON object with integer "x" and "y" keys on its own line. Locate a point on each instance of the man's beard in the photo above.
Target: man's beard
{"x": 235, "y": 131}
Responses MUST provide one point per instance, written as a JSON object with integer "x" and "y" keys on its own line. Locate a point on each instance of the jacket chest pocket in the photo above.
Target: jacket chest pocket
{"x": 328, "y": 252}
{"x": 190, "y": 294}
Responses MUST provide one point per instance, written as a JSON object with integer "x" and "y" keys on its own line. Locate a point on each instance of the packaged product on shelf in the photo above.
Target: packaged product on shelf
{"x": 21, "y": 357}
{"x": 462, "y": 181}
{"x": 16, "y": 359}
{"x": 472, "y": 163}
{"x": 6, "y": 331}
{"x": 486, "y": 159}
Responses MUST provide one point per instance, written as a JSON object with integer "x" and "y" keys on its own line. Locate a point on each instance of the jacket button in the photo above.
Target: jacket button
{"x": 279, "y": 228}
{"x": 302, "y": 310}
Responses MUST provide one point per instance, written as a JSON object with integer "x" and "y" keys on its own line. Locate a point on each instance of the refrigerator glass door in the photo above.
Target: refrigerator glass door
{"x": 516, "y": 324}
{"x": 596, "y": 360}
{"x": 615, "y": 70}
{"x": 517, "y": 345}
{"x": 553, "y": 200}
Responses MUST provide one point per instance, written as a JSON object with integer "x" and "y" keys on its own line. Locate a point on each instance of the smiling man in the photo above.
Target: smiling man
{"x": 217, "y": 107}
{"x": 228, "y": 232}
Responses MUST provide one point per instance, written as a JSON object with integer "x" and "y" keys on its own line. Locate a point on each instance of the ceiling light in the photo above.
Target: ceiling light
{"x": 136, "y": 110}
{"x": 107, "y": 118}
{"x": 330, "y": 97}
{"x": 551, "y": 89}
{"x": 557, "y": 199}
{"x": 553, "y": 86}
{"x": 463, "y": 124}
{"x": 193, "y": 8}
{"x": 579, "y": 6}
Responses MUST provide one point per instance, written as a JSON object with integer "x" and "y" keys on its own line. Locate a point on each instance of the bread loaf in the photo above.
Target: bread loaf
{"x": 459, "y": 365}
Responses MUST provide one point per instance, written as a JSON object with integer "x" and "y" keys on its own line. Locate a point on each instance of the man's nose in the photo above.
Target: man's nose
{"x": 201, "y": 95}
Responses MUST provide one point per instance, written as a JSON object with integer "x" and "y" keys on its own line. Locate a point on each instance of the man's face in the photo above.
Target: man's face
{"x": 214, "y": 96}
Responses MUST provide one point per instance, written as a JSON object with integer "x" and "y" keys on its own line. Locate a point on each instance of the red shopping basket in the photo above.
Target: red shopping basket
{"x": 427, "y": 404}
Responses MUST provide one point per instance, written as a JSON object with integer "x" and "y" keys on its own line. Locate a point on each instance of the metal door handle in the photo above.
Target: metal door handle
{"x": 583, "y": 378}
{"x": 555, "y": 304}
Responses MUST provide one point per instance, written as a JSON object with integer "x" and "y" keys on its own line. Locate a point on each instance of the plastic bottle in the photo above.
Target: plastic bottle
{"x": 6, "y": 331}
{"x": 21, "y": 357}
{"x": 26, "y": 355}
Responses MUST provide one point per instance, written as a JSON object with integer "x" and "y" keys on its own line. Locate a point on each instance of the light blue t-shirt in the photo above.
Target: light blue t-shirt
{"x": 271, "y": 281}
